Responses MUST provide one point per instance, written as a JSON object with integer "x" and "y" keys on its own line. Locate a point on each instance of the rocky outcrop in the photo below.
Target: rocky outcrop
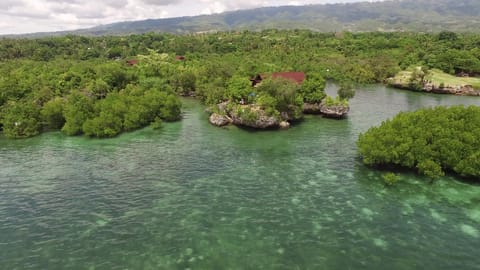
{"x": 337, "y": 111}
{"x": 219, "y": 120}
{"x": 312, "y": 108}
{"x": 244, "y": 115}
{"x": 250, "y": 115}
{"x": 464, "y": 90}
{"x": 284, "y": 125}
{"x": 223, "y": 107}
{"x": 461, "y": 90}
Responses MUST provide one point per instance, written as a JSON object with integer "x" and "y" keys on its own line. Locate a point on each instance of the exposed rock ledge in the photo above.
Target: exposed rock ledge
{"x": 219, "y": 120}
{"x": 464, "y": 90}
{"x": 312, "y": 108}
{"x": 335, "y": 111}
{"x": 461, "y": 90}
{"x": 330, "y": 111}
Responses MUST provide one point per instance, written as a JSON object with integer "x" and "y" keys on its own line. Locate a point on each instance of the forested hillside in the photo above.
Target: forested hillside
{"x": 392, "y": 15}
{"x": 86, "y": 86}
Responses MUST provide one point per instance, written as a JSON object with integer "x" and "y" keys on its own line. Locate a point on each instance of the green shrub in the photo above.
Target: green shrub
{"x": 430, "y": 168}
{"x": 390, "y": 179}
{"x": 157, "y": 123}
{"x": 247, "y": 114}
{"x": 329, "y": 101}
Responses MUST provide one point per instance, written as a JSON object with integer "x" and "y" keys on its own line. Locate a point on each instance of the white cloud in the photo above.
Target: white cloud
{"x": 27, "y": 16}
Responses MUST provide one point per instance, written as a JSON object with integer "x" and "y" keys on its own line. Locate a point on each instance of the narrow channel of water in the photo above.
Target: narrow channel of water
{"x": 193, "y": 196}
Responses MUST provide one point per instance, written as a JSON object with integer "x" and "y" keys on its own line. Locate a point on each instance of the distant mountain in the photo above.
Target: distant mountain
{"x": 395, "y": 15}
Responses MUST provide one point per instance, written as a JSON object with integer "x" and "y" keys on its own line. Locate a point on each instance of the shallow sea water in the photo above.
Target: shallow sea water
{"x": 193, "y": 196}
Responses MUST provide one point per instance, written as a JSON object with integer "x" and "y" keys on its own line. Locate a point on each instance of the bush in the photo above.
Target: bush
{"x": 329, "y": 101}
{"x": 157, "y": 123}
{"x": 430, "y": 168}
{"x": 390, "y": 179}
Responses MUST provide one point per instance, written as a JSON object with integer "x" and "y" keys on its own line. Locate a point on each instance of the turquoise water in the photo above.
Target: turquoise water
{"x": 193, "y": 196}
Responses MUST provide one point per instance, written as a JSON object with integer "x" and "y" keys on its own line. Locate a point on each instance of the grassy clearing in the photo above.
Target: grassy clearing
{"x": 437, "y": 77}
{"x": 402, "y": 77}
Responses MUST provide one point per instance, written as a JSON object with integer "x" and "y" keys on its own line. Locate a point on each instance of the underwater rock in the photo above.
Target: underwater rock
{"x": 470, "y": 230}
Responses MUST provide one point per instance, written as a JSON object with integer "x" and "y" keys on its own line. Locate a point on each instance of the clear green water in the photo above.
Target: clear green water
{"x": 193, "y": 196}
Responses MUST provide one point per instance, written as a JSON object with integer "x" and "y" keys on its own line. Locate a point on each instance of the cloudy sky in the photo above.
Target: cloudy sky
{"x": 27, "y": 16}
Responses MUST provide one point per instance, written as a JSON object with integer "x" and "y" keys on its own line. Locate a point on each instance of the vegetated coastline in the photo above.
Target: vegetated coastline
{"x": 103, "y": 86}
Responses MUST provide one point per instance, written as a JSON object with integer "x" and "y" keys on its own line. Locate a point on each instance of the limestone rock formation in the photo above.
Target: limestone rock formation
{"x": 284, "y": 125}
{"x": 334, "y": 111}
{"x": 219, "y": 120}
{"x": 312, "y": 108}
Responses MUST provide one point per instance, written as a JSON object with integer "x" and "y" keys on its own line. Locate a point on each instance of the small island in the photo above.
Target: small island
{"x": 275, "y": 101}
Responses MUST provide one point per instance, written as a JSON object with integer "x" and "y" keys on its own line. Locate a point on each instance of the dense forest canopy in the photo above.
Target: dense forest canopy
{"x": 84, "y": 85}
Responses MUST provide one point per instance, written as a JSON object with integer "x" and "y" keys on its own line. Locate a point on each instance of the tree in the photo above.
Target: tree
{"x": 239, "y": 88}
{"x": 346, "y": 91}
{"x": 287, "y": 96}
{"x": 184, "y": 82}
{"x": 52, "y": 113}
{"x": 313, "y": 88}
{"x": 447, "y": 36}
{"x": 78, "y": 109}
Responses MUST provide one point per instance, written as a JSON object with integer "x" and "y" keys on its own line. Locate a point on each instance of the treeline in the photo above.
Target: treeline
{"x": 215, "y": 67}
{"x": 432, "y": 141}
{"x": 366, "y": 57}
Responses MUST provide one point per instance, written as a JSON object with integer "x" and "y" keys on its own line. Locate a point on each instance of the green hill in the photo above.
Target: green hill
{"x": 396, "y": 15}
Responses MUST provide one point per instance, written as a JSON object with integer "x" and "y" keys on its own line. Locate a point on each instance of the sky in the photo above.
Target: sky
{"x": 30, "y": 16}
